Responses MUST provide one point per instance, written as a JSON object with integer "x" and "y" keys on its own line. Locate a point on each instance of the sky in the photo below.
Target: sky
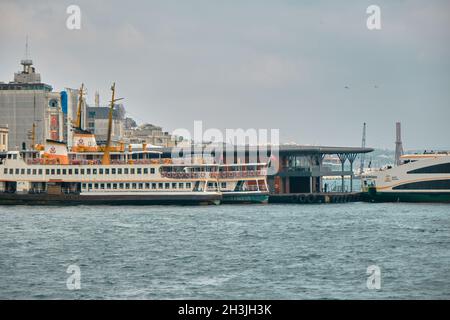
{"x": 311, "y": 69}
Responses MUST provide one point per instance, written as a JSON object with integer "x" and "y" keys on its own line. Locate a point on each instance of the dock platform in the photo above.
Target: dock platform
{"x": 310, "y": 198}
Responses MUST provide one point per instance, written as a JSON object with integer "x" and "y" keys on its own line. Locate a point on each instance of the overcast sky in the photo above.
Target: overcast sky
{"x": 251, "y": 64}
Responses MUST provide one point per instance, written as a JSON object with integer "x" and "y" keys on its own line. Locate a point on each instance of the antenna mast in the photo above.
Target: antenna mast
{"x": 363, "y": 145}
{"x": 398, "y": 143}
{"x": 80, "y": 101}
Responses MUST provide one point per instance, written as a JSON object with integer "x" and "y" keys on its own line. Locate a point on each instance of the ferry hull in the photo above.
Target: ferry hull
{"x": 76, "y": 199}
{"x": 238, "y": 197}
{"x": 425, "y": 197}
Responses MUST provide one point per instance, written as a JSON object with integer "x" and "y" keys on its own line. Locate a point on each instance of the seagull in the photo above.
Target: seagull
{"x": 376, "y": 87}
{"x": 346, "y": 87}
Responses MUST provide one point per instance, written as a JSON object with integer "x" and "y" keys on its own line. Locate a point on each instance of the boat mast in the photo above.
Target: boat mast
{"x": 106, "y": 154}
{"x": 80, "y": 100}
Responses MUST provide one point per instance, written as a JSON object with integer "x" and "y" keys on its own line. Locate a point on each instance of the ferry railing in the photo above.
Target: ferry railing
{"x": 213, "y": 175}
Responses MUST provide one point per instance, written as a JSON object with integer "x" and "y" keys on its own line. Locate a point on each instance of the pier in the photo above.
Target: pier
{"x": 316, "y": 198}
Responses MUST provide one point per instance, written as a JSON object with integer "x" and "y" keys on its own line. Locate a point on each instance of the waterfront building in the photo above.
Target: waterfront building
{"x": 97, "y": 122}
{"x": 150, "y": 134}
{"x": 27, "y": 101}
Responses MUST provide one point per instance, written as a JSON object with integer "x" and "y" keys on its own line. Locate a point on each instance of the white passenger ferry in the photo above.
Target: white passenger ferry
{"x": 420, "y": 178}
{"x": 91, "y": 174}
{"x": 57, "y": 176}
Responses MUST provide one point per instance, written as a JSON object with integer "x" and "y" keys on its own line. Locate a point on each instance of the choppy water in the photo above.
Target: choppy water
{"x": 226, "y": 252}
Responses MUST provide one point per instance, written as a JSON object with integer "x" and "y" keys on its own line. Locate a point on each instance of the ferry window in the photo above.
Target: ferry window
{"x": 160, "y": 185}
{"x": 127, "y": 186}
{"x": 70, "y": 171}
{"x": 5, "y": 171}
{"x": 64, "y": 171}
{"x": 76, "y": 171}
{"x": 120, "y": 185}
{"x": 174, "y": 185}
{"x": 438, "y": 168}
{"x": 133, "y": 186}
{"x": 82, "y": 171}
{"x": 125, "y": 171}
{"x": 22, "y": 171}
{"x": 95, "y": 185}
{"x": 132, "y": 171}
{"x": 94, "y": 171}
{"x": 119, "y": 171}
{"x": 223, "y": 185}
{"x": 100, "y": 171}
{"x": 28, "y": 171}
{"x": 108, "y": 186}
{"x": 84, "y": 185}
{"x": 139, "y": 171}
{"x": 90, "y": 185}
{"x": 147, "y": 186}
{"x": 188, "y": 185}
{"x": 106, "y": 171}
{"x": 88, "y": 171}
{"x": 114, "y": 186}
{"x": 141, "y": 186}
{"x": 40, "y": 172}
{"x": 17, "y": 171}
{"x": 145, "y": 170}
{"x": 152, "y": 170}
{"x": 113, "y": 170}
{"x": 181, "y": 185}
{"x": 210, "y": 184}
{"x": 58, "y": 171}
{"x": 153, "y": 185}
{"x": 102, "y": 186}
{"x": 53, "y": 171}
{"x": 167, "y": 186}
{"x": 425, "y": 185}
{"x": 47, "y": 171}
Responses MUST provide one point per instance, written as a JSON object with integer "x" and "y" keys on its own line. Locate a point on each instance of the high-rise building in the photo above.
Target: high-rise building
{"x": 27, "y": 100}
{"x": 97, "y": 122}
